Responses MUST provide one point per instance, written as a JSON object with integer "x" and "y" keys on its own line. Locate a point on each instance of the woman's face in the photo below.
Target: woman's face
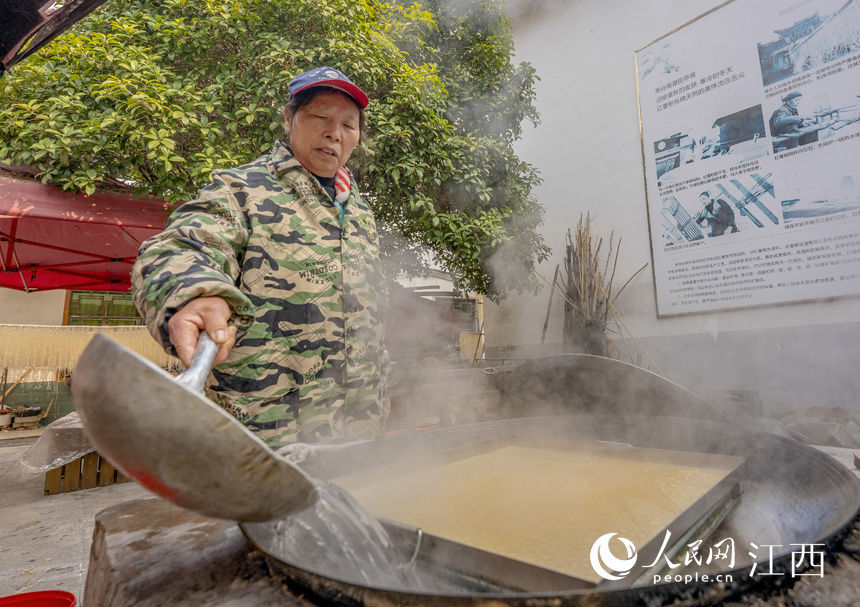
{"x": 324, "y": 132}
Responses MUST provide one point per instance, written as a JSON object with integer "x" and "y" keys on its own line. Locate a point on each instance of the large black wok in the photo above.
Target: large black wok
{"x": 789, "y": 494}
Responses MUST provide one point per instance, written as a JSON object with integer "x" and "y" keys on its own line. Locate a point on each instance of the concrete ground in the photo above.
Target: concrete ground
{"x": 45, "y": 539}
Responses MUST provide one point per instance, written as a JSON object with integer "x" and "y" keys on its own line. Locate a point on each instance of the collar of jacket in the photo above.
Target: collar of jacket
{"x": 281, "y": 161}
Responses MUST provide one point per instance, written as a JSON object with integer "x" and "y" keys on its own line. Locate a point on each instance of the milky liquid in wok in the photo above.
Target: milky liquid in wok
{"x": 337, "y": 536}
{"x": 543, "y": 506}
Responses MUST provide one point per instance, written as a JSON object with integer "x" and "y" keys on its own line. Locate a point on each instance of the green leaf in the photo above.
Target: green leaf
{"x": 160, "y": 93}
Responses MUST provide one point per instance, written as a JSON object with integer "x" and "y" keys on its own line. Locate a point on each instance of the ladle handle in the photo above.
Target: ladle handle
{"x": 194, "y": 377}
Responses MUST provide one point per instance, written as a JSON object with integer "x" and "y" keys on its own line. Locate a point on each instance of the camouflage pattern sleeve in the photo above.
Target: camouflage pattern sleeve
{"x": 197, "y": 255}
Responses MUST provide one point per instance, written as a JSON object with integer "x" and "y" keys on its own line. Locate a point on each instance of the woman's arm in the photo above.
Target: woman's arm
{"x": 196, "y": 256}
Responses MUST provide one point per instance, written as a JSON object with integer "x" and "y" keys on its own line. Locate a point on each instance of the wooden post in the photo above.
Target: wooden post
{"x": 66, "y": 307}
{"x": 90, "y": 471}
{"x": 106, "y": 473}
{"x": 72, "y": 476}
{"x": 52, "y": 481}
{"x": 3, "y": 386}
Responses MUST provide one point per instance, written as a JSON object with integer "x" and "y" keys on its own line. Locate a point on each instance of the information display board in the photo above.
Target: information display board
{"x": 750, "y": 123}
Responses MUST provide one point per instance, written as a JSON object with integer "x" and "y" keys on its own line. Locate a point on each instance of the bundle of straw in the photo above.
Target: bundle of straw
{"x": 52, "y": 347}
{"x": 588, "y": 288}
{"x": 587, "y": 292}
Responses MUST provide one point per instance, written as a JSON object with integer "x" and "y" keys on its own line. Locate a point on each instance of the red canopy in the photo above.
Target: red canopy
{"x": 51, "y": 239}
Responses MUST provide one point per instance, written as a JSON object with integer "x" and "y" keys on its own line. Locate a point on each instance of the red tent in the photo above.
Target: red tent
{"x": 51, "y": 239}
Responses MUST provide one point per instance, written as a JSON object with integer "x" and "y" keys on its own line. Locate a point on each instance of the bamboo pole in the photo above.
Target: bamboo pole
{"x": 618, "y": 319}
{"x": 560, "y": 294}
{"x": 549, "y": 306}
{"x": 48, "y": 410}
{"x": 15, "y": 385}
{"x": 478, "y": 345}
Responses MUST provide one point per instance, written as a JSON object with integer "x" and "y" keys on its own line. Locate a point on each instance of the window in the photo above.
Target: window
{"x": 110, "y": 308}
{"x": 468, "y": 314}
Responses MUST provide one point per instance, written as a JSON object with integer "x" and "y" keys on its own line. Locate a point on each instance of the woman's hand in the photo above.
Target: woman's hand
{"x": 210, "y": 314}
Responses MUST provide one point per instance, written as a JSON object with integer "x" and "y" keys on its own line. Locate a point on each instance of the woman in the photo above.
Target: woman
{"x": 278, "y": 261}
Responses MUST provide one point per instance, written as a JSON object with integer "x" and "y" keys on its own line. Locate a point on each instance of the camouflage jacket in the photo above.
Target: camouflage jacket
{"x": 305, "y": 290}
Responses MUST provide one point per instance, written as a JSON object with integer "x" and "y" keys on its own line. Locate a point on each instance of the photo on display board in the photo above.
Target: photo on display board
{"x": 817, "y": 191}
{"x": 731, "y": 206}
{"x": 810, "y": 42}
{"x": 737, "y": 137}
{"x": 814, "y": 115}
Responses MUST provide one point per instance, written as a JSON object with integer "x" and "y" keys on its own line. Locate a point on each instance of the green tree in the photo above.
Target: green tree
{"x": 157, "y": 93}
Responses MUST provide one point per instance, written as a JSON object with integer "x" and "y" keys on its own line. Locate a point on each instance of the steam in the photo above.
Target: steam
{"x": 526, "y": 14}
{"x": 588, "y": 151}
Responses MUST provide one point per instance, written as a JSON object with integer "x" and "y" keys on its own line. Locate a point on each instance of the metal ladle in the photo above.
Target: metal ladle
{"x": 164, "y": 433}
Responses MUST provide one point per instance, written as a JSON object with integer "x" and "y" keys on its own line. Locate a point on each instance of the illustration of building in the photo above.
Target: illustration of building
{"x": 800, "y": 29}
{"x": 777, "y": 58}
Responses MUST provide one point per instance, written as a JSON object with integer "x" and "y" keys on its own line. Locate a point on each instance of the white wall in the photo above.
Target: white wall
{"x": 588, "y": 150}
{"x": 41, "y": 308}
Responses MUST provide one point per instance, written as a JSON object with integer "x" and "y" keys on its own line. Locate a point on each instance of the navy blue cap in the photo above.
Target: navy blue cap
{"x": 328, "y": 76}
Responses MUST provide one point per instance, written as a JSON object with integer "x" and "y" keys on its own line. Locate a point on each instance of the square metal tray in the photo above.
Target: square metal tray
{"x": 446, "y": 564}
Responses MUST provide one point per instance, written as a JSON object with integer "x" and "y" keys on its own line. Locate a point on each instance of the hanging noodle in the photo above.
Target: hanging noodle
{"x": 52, "y": 347}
